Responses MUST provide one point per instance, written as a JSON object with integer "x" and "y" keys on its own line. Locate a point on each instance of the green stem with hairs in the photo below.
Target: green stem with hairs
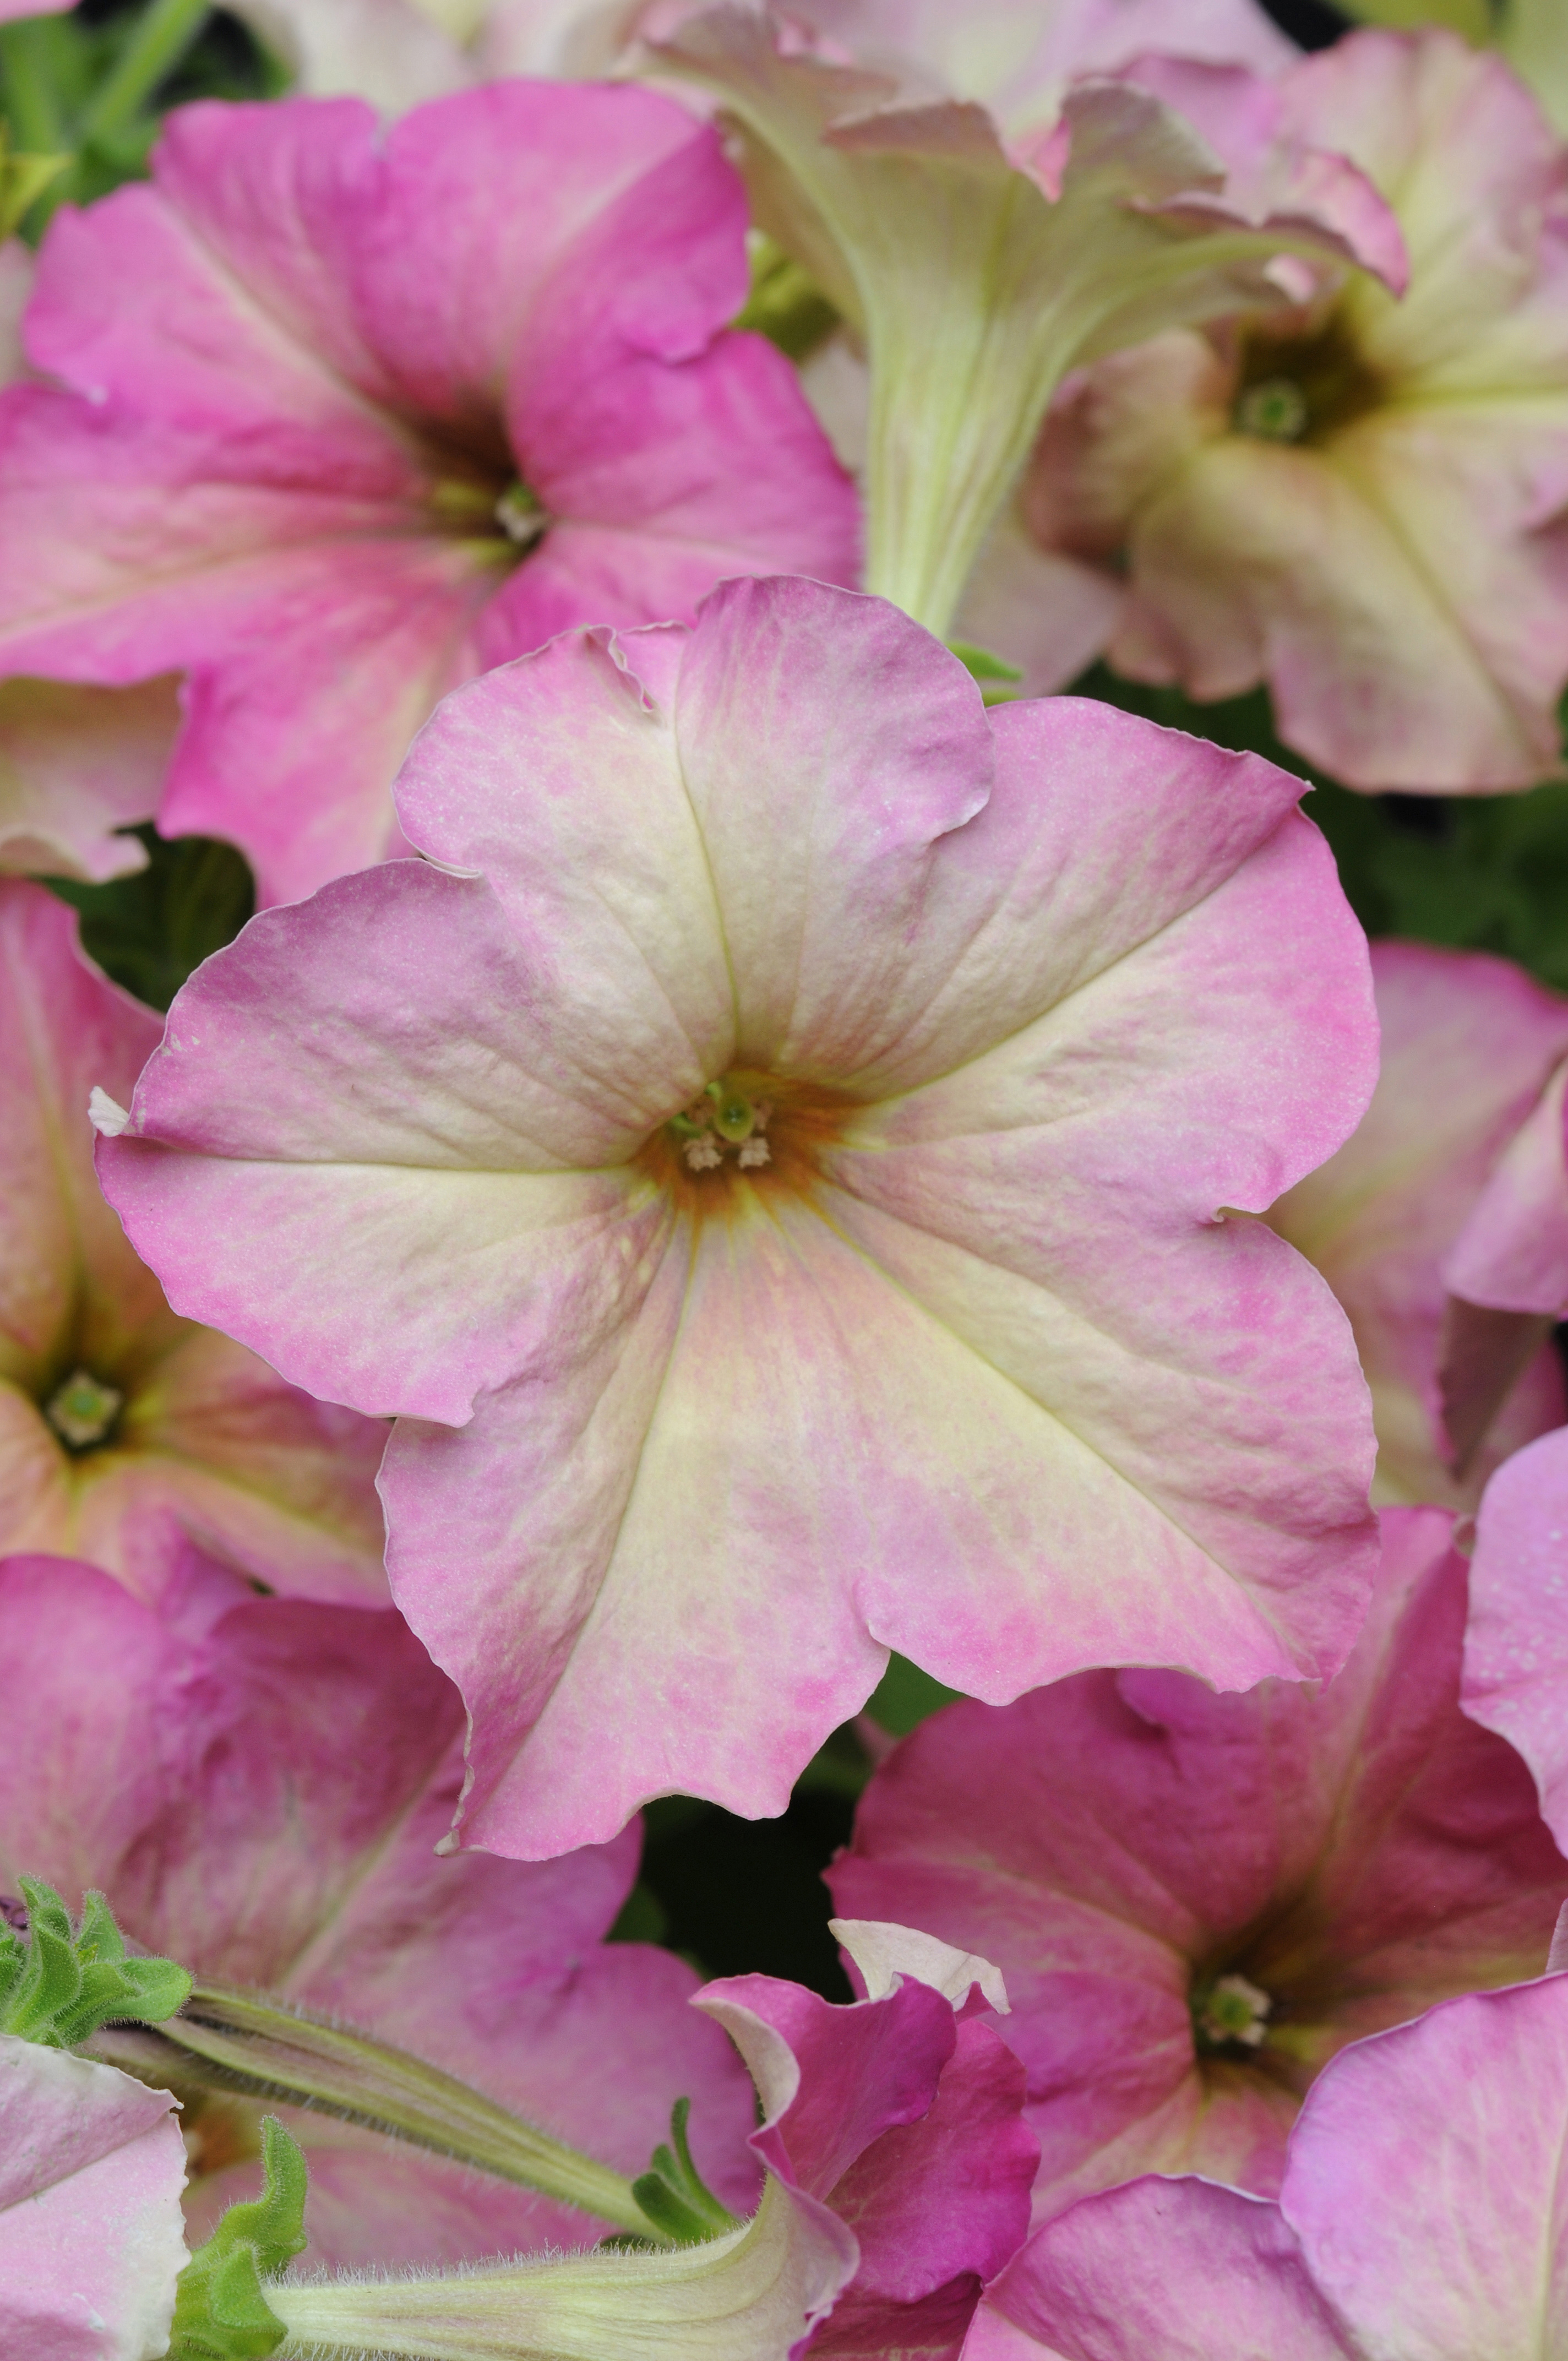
{"x": 227, "y": 2038}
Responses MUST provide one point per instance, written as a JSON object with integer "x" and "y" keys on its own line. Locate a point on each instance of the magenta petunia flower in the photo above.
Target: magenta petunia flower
{"x": 128, "y": 1435}
{"x": 1470, "y": 1045}
{"x": 1515, "y": 1647}
{"x": 1197, "y": 1900}
{"x": 1360, "y": 501}
{"x": 1420, "y": 2220}
{"x": 282, "y": 1833}
{"x": 91, "y": 2237}
{"x": 778, "y": 1169}
{"x": 344, "y": 417}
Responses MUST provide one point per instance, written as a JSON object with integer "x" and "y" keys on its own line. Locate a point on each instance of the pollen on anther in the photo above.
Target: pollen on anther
{"x": 703, "y": 1154}
{"x": 753, "y": 1151}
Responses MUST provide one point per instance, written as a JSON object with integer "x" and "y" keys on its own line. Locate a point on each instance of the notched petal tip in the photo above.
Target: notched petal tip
{"x": 883, "y": 1952}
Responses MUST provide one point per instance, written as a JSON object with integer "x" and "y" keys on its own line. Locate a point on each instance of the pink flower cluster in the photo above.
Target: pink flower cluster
{"x": 736, "y": 1150}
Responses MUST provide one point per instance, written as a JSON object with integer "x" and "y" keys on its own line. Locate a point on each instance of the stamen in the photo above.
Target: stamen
{"x": 83, "y": 1410}
{"x": 1232, "y": 2009}
{"x": 521, "y": 514}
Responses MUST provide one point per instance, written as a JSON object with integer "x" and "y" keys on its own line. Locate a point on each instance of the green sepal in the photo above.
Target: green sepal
{"x": 673, "y": 2194}
{"x": 221, "y": 2311}
{"x": 63, "y": 1982}
{"x": 983, "y": 663}
{"x": 22, "y": 180}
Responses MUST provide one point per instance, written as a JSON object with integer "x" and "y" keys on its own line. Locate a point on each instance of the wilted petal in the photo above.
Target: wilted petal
{"x": 91, "y": 2165}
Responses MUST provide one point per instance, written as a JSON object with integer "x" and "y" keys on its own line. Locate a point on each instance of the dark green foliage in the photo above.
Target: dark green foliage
{"x": 60, "y": 1984}
{"x": 148, "y": 931}
{"x": 221, "y": 2312}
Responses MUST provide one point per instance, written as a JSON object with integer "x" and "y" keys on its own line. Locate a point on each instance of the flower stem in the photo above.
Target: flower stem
{"x": 31, "y": 102}
{"x": 166, "y": 31}
{"x": 230, "y": 2039}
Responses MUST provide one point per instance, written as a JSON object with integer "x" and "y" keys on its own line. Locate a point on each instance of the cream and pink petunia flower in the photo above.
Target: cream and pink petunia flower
{"x": 91, "y": 2241}
{"x": 1361, "y": 502}
{"x": 259, "y": 1792}
{"x": 1197, "y": 1900}
{"x": 789, "y": 1159}
{"x": 341, "y": 417}
{"x": 128, "y": 1435}
{"x": 1516, "y": 1648}
{"x": 1474, "y": 1051}
{"x": 1420, "y": 2220}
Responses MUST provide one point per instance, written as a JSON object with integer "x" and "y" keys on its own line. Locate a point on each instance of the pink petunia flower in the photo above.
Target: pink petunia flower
{"x": 777, "y": 1169}
{"x": 1361, "y": 502}
{"x": 76, "y": 764}
{"x": 261, "y": 1796}
{"x": 1473, "y": 1049}
{"x": 898, "y": 2172}
{"x": 128, "y": 1435}
{"x": 1197, "y": 1900}
{"x": 343, "y": 418}
{"x": 1419, "y": 2219}
{"x": 1516, "y": 1648}
{"x": 91, "y": 2237}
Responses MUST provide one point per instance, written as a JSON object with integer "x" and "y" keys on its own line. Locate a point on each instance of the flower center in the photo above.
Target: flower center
{"x": 1304, "y": 389}
{"x": 1230, "y": 2012}
{"x": 726, "y": 1120}
{"x": 478, "y": 496}
{"x": 743, "y": 1133}
{"x": 83, "y": 1410}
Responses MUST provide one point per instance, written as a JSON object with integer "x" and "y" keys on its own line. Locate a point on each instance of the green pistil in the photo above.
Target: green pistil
{"x": 734, "y": 1116}
{"x": 83, "y": 1411}
{"x": 1275, "y": 410}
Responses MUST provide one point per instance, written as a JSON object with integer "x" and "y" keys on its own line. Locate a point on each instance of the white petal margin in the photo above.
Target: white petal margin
{"x": 883, "y": 1952}
{"x": 105, "y": 1114}
{"x": 92, "y": 2240}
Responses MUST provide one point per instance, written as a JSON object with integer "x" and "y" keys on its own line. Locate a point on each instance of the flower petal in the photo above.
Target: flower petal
{"x": 91, "y": 2165}
{"x": 1516, "y": 1646}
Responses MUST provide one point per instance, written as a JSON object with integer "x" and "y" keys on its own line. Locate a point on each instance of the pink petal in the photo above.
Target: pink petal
{"x": 1161, "y": 2270}
{"x": 77, "y": 765}
{"x": 1516, "y": 1646}
{"x": 282, "y": 1833}
{"x": 1426, "y": 2174}
{"x": 1468, "y": 1043}
{"x": 91, "y": 2165}
{"x": 1513, "y": 1250}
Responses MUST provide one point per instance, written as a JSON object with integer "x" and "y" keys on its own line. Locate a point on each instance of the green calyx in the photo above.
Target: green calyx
{"x": 221, "y": 2311}
{"x": 673, "y": 2193}
{"x": 63, "y": 1982}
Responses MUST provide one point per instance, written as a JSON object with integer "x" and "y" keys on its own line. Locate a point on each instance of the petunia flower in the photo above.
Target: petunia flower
{"x": 1516, "y": 1648}
{"x": 343, "y": 418}
{"x": 281, "y": 1833}
{"x": 1470, "y": 1045}
{"x": 91, "y": 2242}
{"x": 76, "y": 764}
{"x": 898, "y": 2173}
{"x": 1420, "y": 2220}
{"x": 979, "y": 268}
{"x": 1360, "y": 502}
{"x": 128, "y": 1435}
{"x": 772, "y": 1158}
{"x": 1197, "y": 1900}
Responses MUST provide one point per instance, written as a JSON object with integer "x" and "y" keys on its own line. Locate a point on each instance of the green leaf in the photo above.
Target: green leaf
{"x": 221, "y": 2311}
{"x": 63, "y": 1982}
{"x": 983, "y": 663}
{"x": 150, "y": 929}
{"x": 906, "y": 1696}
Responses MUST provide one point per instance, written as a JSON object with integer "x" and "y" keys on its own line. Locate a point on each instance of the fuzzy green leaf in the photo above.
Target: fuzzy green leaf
{"x": 63, "y": 1982}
